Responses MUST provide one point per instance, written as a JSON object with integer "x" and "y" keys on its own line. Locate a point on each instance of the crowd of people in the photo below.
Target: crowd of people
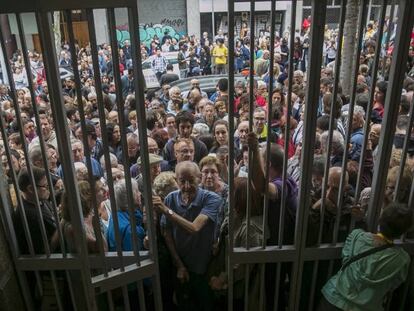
{"x": 188, "y": 145}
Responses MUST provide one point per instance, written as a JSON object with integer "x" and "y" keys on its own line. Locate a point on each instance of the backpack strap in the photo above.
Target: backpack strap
{"x": 365, "y": 254}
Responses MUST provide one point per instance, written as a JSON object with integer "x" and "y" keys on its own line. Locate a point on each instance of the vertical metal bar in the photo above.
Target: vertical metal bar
{"x": 19, "y": 198}
{"x": 25, "y": 149}
{"x": 6, "y": 218}
{"x": 312, "y": 96}
{"x": 96, "y": 224}
{"x": 53, "y": 78}
{"x": 405, "y": 151}
{"x": 20, "y": 206}
{"x": 269, "y": 115}
{"x": 229, "y": 248}
{"x": 329, "y": 147}
{"x": 122, "y": 126}
{"x": 332, "y": 117}
{"x": 141, "y": 296}
{"x": 70, "y": 286}
{"x": 246, "y": 286}
{"x": 230, "y": 272}
{"x": 287, "y": 126}
{"x": 371, "y": 98}
{"x": 406, "y": 286}
{"x": 411, "y": 199}
{"x": 56, "y": 288}
{"x": 110, "y": 301}
{"x": 125, "y": 296}
{"x": 213, "y": 20}
{"x": 387, "y": 39}
{"x": 99, "y": 96}
{"x": 363, "y": 12}
{"x": 405, "y": 23}
{"x": 262, "y": 287}
{"x": 251, "y": 110}
{"x": 39, "y": 132}
{"x": 142, "y": 123}
{"x": 277, "y": 287}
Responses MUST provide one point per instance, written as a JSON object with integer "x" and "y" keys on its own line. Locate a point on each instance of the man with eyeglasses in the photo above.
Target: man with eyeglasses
{"x": 259, "y": 124}
{"x": 28, "y": 191}
{"x": 49, "y": 240}
{"x": 184, "y": 151}
{"x": 152, "y": 149}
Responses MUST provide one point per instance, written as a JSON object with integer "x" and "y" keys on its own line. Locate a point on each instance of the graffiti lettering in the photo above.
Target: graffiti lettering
{"x": 178, "y": 22}
{"x": 148, "y": 31}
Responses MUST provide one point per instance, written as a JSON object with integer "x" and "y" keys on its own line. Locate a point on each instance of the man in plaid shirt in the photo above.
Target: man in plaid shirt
{"x": 159, "y": 64}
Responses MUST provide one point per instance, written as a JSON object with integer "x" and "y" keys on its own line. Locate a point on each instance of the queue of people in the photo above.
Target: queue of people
{"x": 188, "y": 145}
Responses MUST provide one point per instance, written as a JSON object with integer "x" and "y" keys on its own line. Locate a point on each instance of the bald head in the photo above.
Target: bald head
{"x": 334, "y": 178}
{"x": 187, "y": 167}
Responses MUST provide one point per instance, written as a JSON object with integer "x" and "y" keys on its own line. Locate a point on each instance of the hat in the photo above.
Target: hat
{"x": 95, "y": 121}
{"x": 153, "y": 159}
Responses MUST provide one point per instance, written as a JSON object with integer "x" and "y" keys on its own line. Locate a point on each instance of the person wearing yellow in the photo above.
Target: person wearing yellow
{"x": 220, "y": 56}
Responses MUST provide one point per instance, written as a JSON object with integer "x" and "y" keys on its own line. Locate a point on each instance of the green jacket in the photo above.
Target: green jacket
{"x": 363, "y": 285}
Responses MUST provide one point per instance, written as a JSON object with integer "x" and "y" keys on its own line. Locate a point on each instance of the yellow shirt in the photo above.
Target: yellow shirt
{"x": 220, "y": 54}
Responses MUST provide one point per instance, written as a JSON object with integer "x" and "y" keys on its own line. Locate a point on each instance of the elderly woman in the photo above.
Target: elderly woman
{"x": 164, "y": 184}
{"x": 210, "y": 180}
{"x": 124, "y": 220}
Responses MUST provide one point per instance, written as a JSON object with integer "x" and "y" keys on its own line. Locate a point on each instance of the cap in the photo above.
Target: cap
{"x": 95, "y": 121}
{"x": 153, "y": 159}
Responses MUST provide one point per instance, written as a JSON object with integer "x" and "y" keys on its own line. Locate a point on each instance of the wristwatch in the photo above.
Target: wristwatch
{"x": 170, "y": 212}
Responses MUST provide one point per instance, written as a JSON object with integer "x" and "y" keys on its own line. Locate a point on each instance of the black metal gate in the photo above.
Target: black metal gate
{"x": 90, "y": 281}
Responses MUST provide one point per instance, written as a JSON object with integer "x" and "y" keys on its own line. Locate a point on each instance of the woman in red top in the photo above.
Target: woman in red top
{"x": 379, "y": 99}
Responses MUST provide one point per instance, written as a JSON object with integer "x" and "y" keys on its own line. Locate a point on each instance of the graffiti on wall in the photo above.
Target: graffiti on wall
{"x": 148, "y": 31}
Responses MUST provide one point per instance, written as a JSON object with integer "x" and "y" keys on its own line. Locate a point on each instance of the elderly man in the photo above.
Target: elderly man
{"x": 259, "y": 124}
{"x": 195, "y": 84}
{"x": 49, "y": 135}
{"x": 155, "y": 169}
{"x": 357, "y": 136}
{"x": 261, "y": 65}
{"x": 154, "y": 149}
{"x": 79, "y": 156}
{"x": 242, "y": 130}
{"x": 189, "y": 218}
{"x": 337, "y": 147}
{"x": 175, "y": 96}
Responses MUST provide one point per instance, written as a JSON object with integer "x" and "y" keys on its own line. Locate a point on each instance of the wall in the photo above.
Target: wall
{"x": 155, "y": 16}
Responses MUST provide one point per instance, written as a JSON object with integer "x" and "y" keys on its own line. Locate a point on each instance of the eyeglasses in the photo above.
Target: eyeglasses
{"x": 207, "y": 172}
{"x": 186, "y": 151}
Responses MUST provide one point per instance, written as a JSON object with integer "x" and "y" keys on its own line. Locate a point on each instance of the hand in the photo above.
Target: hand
{"x": 156, "y": 200}
{"x": 252, "y": 141}
{"x": 182, "y": 275}
{"x": 217, "y": 283}
{"x": 357, "y": 213}
{"x": 158, "y": 203}
{"x": 146, "y": 242}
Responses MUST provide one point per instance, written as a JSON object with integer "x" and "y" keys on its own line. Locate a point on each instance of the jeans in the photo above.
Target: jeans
{"x": 220, "y": 69}
{"x": 183, "y": 73}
